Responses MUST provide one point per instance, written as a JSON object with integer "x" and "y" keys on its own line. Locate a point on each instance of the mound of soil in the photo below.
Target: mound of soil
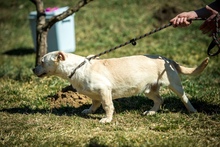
{"x": 164, "y": 13}
{"x": 68, "y": 97}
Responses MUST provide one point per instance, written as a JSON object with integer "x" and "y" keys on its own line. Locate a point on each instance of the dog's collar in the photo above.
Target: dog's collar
{"x": 80, "y": 65}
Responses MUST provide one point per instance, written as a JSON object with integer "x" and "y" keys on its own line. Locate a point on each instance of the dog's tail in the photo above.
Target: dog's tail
{"x": 191, "y": 71}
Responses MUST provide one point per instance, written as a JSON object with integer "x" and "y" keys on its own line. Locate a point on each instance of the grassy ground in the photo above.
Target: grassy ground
{"x": 27, "y": 119}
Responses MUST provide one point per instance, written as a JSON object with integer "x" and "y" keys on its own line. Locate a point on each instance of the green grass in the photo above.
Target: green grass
{"x": 27, "y": 119}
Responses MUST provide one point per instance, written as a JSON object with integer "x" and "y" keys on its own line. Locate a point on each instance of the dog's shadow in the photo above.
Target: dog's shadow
{"x": 136, "y": 103}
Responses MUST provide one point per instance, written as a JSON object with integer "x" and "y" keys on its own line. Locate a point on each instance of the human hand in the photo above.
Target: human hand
{"x": 209, "y": 27}
{"x": 182, "y": 19}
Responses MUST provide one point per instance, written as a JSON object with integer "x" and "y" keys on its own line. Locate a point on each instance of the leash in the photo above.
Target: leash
{"x": 215, "y": 37}
{"x": 133, "y": 42}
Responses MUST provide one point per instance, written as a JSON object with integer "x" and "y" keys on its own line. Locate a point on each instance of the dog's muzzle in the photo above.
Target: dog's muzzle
{"x": 37, "y": 72}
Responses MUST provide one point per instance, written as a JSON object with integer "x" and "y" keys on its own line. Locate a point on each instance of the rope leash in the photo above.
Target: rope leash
{"x": 215, "y": 40}
{"x": 133, "y": 42}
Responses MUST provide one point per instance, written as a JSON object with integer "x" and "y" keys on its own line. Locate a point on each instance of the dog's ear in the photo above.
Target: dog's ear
{"x": 61, "y": 56}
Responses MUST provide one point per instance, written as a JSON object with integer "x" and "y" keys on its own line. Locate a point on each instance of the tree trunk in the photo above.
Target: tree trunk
{"x": 43, "y": 26}
{"x": 41, "y": 46}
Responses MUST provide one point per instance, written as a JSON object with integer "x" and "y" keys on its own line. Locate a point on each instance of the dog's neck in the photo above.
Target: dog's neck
{"x": 65, "y": 68}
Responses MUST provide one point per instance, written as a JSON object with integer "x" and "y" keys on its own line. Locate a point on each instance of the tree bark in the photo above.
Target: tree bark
{"x": 41, "y": 45}
{"x": 43, "y": 26}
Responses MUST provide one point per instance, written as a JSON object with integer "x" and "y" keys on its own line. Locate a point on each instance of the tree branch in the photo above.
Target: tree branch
{"x": 65, "y": 14}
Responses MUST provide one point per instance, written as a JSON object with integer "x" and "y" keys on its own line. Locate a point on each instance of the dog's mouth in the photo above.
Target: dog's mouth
{"x": 42, "y": 75}
{"x": 38, "y": 73}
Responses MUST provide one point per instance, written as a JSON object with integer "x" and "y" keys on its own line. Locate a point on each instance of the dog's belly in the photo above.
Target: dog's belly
{"x": 125, "y": 92}
{"x": 119, "y": 92}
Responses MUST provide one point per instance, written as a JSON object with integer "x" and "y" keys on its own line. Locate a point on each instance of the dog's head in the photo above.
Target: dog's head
{"x": 49, "y": 64}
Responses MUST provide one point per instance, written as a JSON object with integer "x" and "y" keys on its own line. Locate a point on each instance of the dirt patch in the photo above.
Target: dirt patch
{"x": 68, "y": 97}
{"x": 165, "y": 13}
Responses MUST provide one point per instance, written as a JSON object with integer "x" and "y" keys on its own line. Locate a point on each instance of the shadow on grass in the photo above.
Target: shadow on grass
{"x": 135, "y": 103}
{"x": 122, "y": 105}
{"x": 174, "y": 104}
{"x": 19, "y": 52}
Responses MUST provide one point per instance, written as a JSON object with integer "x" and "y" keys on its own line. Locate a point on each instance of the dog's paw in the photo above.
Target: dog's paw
{"x": 86, "y": 111}
{"x": 105, "y": 120}
{"x": 149, "y": 113}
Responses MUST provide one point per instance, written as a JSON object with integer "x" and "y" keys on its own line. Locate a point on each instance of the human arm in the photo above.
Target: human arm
{"x": 182, "y": 19}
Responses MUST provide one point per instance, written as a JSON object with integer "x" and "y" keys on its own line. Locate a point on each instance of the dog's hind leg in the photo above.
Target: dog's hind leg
{"x": 95, "y": 105}
{"x": 178, "y": 89}
{"x": 153, "y": 95}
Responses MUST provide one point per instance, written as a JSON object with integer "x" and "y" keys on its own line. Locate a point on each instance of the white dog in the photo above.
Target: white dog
{"x": 106, "y": 79}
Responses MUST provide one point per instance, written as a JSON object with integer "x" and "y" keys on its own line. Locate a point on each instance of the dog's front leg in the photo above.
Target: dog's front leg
{"x": 95, "y": 105}
{"x": 108, "y": 106}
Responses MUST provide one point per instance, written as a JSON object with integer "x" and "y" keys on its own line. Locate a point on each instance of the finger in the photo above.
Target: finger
{"x": 178, "y": 22}
{"x": 175, "y": 22}
{"x": 173, "y": 19}
{"x": 186, "y": 21}
{"x": 181, "y": 20}
{"x": 172, "y": 22}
